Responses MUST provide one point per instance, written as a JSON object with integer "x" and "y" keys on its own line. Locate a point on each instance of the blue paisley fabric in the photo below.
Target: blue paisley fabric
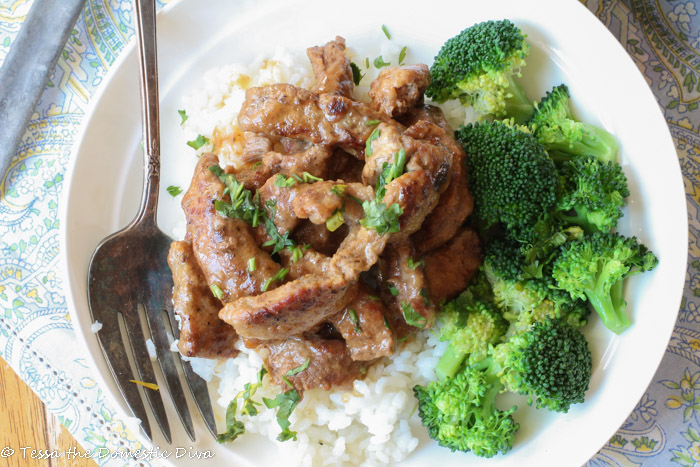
{"x": 663, "y": 38}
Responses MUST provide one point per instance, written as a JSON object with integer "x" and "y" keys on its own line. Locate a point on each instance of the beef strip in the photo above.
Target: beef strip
{"x": 284, "y": 110}
{"x": 331, "y": 68}
{"x": 202, "y": 333}
{"x": 223, "y": 245}
{"x": 398, "y": 89}
{"x": 449, "y": 268}
{"x": 290, "y": 309}
{"x": 456, "y": 202}
{"x": 330, "y": 364}
{"x": 404, "y": 289}
{"x": 319, "y": 237}
{"x": 363, "y": 327}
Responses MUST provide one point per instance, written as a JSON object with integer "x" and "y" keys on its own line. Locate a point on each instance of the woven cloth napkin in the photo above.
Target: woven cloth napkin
{"x": 661, "y": 36}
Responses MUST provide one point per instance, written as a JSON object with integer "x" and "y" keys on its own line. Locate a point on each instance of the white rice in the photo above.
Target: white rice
{"x": 374, "y": 423}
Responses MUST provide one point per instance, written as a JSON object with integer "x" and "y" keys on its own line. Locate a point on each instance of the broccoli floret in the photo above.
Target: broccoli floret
{"x": 550, "y": 363}
{"x": 460, "y": 413}
{"x": 512, "y": 179}
{"x": 524, "y": 287}
{"x": 563, "y": 136}
{"x": 471, "y": 325}
{"x": 478, "y": 67}
{"x": 593, "y": 193}
{"x": 594, "y": 268}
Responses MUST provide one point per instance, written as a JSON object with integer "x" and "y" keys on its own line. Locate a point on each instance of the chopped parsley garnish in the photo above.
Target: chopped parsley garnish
{"x": 252, "y": 266}
{"x": 381, "y": 218}
{"x": 283, "y": 181}
{"x": 379, "y": 62}
{"x": 281, "y": 274}
{"x": 183, "y": 116}
{"x": 299, "y": 369}
{"x": 243, "y": 204}
{"x": 386, "y": 31}
{"x": 412, "y": 317}
{"x": 367, "y": 62}
{"x": 339, "y": 190}
{"x": 402, "y": 55}
{"x": 414, "y": 264}
{"x": 378, "y": 216}
{"x": 355, "y": 320}
{"x": 374, "y": 297}
{"x": 386, "y": 324}
{"x": 356, "y": 74}
{"x": 235, "y": 428}
{"x": 198, "y": 142}
{"x": 286, "y": 403}
{"x": 174, "y": 190}
{"x": 372, "y": 122}
{"x": 368, "y": 144}
{"x": 247, "y": 207}
{"x": 216, "y": 291}
{"x": 335, "y": 221}
{"x": 392, "y": 290}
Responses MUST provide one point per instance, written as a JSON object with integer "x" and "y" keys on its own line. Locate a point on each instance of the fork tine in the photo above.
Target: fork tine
{"x": 167, "y": 366}
{"x": 114, "y": 351}
{"x": 198, "y": 387}
{"x": 144, "y": 367}
{"x": 200, "y": 393}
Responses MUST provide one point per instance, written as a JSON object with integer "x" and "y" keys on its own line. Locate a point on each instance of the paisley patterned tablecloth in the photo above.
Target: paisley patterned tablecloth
{"x": 663, "y": 38}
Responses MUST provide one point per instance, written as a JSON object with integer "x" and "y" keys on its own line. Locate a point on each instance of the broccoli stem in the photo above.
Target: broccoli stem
{"x": 518, "y": 106}
{"x": 595, "y": 141}
{"x": 611, "y": 312}
{"x": 449, "y": 363}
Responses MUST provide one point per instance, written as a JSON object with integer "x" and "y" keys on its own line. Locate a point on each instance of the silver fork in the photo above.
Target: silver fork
{"x": 129, "y": 270}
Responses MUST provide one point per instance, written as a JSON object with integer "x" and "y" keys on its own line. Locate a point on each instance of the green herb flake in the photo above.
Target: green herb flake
{"x": 174, "y": 190}
{"x": 252, "y": 266}
{"x": 286, "y": 402}
{"x": 183, "y": 116}
{"x": 308, "y": 178}
{"x": 339, "y": 190}
{"x": 198, "y": 142}
{"x": 412, "y": 317}
{"x": 355, "y": 320}
{"x": 281, "y": 274}
{"x": 402, "y": 55}
{"x": 385, "y": 30}
{"x": 372, "y": 122}
{"x": 216, "y": 290}
{"x": 234, "y": 428}
{"x": 356, "y": 73}
{"x": 368, "y": 144}
{"x": 380, "y": 63}
{"x": 299, "y": 369}
{"x": 282, "y": 181}
{"x": 381, "y": 218}
{"x": 386, "y": 324}
{"x": 414, "y": 264}
{"x": 374, "y": 297}
{"x": 335, "y": 221}
{"x": 392, "y": 290}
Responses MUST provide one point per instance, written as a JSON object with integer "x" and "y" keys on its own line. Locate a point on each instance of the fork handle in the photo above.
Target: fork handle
{"x": 150, "y": 120}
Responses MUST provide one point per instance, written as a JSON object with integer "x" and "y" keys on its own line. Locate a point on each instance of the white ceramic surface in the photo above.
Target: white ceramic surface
{"x": 103, "y": 185}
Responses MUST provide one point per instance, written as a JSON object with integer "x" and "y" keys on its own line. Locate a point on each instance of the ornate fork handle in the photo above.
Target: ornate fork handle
{"x": 150, "y": 120}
